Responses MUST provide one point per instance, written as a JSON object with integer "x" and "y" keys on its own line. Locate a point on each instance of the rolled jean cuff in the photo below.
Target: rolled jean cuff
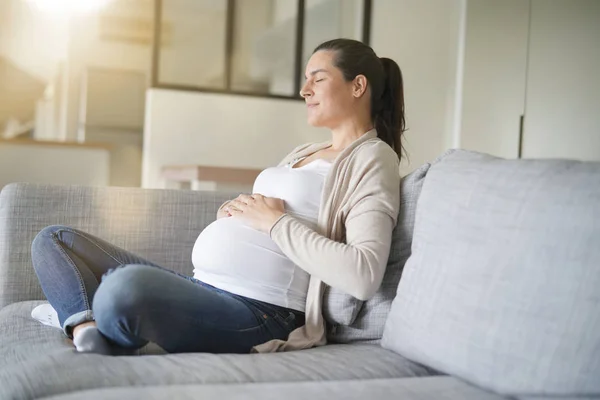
{"x": 76, "y": 319}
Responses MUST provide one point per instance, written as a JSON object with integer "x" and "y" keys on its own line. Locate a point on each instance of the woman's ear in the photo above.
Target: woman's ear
{"x": 359, "y": 86}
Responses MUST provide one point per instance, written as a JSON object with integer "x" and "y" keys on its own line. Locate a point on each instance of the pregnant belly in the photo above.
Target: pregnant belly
{"x": 234, "y": 251}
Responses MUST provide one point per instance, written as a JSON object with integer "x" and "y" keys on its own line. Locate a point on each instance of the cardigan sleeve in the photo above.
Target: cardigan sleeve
{"x": 355, "y": 267}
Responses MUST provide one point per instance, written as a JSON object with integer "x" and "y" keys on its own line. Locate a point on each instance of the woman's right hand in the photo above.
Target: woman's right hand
{"x": 271, "y": 201}
{"x": 224, "y": 212}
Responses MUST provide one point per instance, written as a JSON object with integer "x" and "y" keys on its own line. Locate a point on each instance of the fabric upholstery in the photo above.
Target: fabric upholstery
{"x": 434, "y": 388}
{"x": 37, "y": 360}
{"x": 159, "y": 225}
{"x": 367, "y": 319}
{"x": 501, "y": 288}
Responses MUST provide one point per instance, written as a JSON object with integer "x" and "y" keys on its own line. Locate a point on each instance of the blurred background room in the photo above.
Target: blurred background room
{"x": 203, "y": 94}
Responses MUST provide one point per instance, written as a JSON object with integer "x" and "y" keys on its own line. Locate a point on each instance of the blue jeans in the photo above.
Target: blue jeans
{"x": 134, "y": 301}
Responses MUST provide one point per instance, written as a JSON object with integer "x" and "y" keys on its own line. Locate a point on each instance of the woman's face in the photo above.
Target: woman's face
{"x": 328, "y": 96}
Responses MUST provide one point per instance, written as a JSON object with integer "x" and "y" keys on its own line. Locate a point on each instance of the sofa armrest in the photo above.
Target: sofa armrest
{"x": 159, "y": 225}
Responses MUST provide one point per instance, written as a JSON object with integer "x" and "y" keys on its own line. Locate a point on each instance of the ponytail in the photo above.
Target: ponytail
{"x": 387, "y": 111}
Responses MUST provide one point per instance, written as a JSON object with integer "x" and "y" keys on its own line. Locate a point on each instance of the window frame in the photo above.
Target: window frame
{"x": 229, "y": 30}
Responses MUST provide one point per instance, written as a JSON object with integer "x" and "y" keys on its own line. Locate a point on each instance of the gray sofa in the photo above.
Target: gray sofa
{"x": 499, "y": 296}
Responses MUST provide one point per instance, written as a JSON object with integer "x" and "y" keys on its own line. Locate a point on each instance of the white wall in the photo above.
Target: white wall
{"x": 494, "y": 76}
{"x": 562, "y": 112}
{"x": 539, "y": 59}
{"x": 4, "y": 12}
{"x": 54, "y": 164}
{"x": 88, "y": 49}
{"x": 194, "y": 53}
{"x": 34, "y": 41}
{"x": 183, "y": 128}
{"x": 423, "y": 38}
{"x": 38, "y": 41}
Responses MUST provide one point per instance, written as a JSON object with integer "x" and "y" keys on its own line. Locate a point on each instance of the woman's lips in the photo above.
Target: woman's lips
{"x": 312, "y": 105}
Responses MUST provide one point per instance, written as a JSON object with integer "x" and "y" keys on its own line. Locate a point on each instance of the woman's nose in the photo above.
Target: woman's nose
{"x": 304, "y": 92}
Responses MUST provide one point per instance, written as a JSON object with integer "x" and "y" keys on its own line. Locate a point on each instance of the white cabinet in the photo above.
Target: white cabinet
{"x": 562, "y": 101}
{"x": 494, "y": 75}
{"x": 538, "y": 59}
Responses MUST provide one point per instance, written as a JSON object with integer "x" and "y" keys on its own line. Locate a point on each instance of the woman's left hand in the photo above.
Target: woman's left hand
{"x": 256, "y": 210}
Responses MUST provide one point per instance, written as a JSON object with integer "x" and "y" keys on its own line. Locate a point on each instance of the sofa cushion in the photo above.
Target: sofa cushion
{"x": 158, "y": 225}
{"x": 501, "y": 288}
{"x": 37, "y": 360}
{"x": 367, "y": 319}
{"x": 428, "y": 388}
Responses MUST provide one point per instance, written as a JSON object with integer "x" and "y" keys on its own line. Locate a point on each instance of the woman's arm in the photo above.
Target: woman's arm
{"x": 355, "y": 267}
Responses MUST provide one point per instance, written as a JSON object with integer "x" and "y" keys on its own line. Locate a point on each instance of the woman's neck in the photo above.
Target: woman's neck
{"x": 343, "y": 136}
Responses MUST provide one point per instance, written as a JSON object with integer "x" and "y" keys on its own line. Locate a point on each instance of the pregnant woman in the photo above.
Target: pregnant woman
{"x": 323, "y": 216}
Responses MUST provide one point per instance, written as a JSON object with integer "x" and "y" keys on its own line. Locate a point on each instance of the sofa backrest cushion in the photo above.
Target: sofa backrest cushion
{"x": 351, "y": 320}
{"x": 158, "y": 225}
{"x": 502, "y": 288}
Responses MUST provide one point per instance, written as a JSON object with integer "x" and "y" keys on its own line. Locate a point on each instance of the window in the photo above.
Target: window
{"x": 330, "y": 19}
{"x": 194, "y": 52}
{"x": 247, "y": 47}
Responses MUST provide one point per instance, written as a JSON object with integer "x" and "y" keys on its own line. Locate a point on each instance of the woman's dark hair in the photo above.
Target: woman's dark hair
{"x": 355, "y": 58}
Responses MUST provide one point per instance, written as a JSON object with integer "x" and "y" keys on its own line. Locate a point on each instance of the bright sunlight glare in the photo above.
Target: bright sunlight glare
{"x": 68, "y": 7}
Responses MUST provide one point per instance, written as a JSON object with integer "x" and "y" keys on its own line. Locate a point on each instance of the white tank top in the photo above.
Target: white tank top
{"x": 239, "y": 259}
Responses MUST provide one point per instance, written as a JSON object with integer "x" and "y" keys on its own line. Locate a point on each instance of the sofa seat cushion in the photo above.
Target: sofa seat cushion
{"x": 427, "y": 388}
{"x": 37, "y": 360}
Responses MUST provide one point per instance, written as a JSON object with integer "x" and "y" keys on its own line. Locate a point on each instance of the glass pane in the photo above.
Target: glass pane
{"x": 330, "y": 19}
{"x": 192, "y": 51}
{"x": 264, "y": 46}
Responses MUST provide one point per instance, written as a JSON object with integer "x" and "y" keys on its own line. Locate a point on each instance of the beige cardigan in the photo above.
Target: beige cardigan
{"x": 350, "y": 249}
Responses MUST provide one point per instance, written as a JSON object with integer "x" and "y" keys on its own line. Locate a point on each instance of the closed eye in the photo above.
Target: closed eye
{"x": 319, "y": 80}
